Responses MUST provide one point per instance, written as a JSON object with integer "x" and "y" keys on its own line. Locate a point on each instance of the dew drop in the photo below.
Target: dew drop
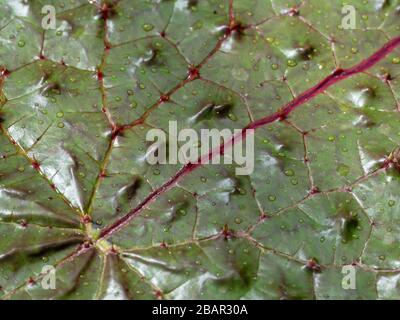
{"x": 289, "y": 172}
{"x": 238, "y": 220}
{"x": 396, "y": 60}
{"x": 343, "y": 170}
{"x": 232, "y": 117}
{"x": 158, "y": 45}
{"x": 198, "y": 25}
{"x": 291, "y": 63}
{"x": 147, "y": 27}
{"x": 133, "y": 104}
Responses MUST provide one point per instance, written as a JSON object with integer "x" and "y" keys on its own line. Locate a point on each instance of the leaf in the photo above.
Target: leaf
{"x": 76, "y": 191}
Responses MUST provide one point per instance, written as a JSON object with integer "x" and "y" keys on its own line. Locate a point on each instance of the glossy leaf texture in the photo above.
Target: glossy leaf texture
{"x": 77, "y": 193}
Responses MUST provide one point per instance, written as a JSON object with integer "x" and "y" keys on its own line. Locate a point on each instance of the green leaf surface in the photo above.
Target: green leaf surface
{"x": 76, "y": 192}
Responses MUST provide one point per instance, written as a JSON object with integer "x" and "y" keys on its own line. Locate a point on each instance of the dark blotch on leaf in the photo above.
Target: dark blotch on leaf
{"x": 182, "y": 208}
{"x": 349, "y": 228}
{"x": 239, "y": 188}
{"x": 382, "y": 5}
{"x": 213, "y": 111}
{"x": 192, "y": 3}
{"x": 305, "y": 52}
{"x": 153, "y": 57}
{"x": 367, "y": 92}
{"x": 131, "y": 191}
{"x": 221, "y": 111}
{"x": 370, "y": 124}
{"x": 52, "y": 89}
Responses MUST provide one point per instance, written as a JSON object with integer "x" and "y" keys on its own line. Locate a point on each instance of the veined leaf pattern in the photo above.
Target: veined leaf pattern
{"x": 76, "y": 192}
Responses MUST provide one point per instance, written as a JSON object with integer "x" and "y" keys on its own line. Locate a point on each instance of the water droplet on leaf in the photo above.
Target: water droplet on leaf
{"x": 343, "y": 170}
{"x": 289, "y": 172}
{"x": 147, "y": 27}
